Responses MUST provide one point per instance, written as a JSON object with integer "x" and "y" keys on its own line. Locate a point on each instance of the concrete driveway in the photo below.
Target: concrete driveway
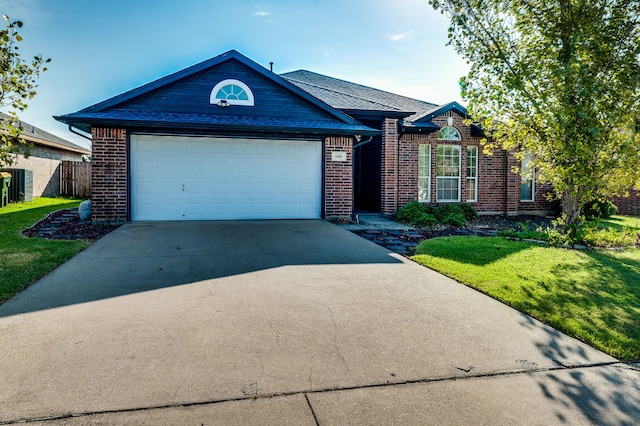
{"x": 285, "y": 322}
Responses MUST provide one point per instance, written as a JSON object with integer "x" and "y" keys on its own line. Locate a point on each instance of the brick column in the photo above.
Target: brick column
{"x": 408, "y": 167}
{"x": 108, "y": 175}
{"x": 389, "y": 197}
{"x": 512, "y": 185}
{"x": 338, "y": 178}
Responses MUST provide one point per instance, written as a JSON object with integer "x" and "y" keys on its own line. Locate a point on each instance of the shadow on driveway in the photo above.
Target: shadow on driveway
{"x": 146, "y": 256}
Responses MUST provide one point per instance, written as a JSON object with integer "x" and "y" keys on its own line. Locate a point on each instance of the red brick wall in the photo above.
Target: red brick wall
{"x": 338, "y": 179}
{"x": 389, "y": 196}
{"x": 498, "y": 187}
{"x": 628, "y": 205}
{"x": 408, "y": 167}
{"x": 109, "y": 175}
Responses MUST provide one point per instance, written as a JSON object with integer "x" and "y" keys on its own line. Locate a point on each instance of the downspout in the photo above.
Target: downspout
{"x": 363, "y": 142}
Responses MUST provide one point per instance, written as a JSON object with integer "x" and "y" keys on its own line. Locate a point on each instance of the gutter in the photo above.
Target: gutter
{"x": 78, "y": 133}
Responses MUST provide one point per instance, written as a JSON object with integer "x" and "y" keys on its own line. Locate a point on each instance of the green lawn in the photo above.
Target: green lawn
{"x": 591, "y": 295}
{"x": 25, "y": 260}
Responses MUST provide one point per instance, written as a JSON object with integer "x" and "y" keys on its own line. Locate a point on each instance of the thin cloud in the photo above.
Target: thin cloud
{"x": 398, "y": 37}
{"x": 263, "y": 13}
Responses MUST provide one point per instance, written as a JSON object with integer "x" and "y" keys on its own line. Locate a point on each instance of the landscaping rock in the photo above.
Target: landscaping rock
{"x": 84, "y": 210}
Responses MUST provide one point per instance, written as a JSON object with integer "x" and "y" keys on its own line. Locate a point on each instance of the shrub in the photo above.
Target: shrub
{"x": 469, "y": 212}
{"x": 411, "y": 212}
{"x": 455, "y": 219}
{"x": 445, "y": 210}
{"x": 427, "y": 220}
{"x": 422, "y": 215}
{"x": 598, "y": 209}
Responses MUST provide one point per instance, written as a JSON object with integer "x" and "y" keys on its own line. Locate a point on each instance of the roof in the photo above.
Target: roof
{"x": 229, "y": 122}
{"x": 38, "y": 136}
{"x": 113, "y": 111}
{"x": 352, "y": 97}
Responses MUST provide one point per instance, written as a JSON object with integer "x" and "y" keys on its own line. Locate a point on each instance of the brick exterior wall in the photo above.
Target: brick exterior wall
{"x": 338, "y": 179}
{"x": 628, "y": 205}
{"x": 498, "y": 190}
{"x": 109, "y": 175}
{"x": 389, "y": 187}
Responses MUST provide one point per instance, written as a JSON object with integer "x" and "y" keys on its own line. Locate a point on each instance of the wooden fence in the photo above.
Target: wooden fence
{"x": 75, "y": 179}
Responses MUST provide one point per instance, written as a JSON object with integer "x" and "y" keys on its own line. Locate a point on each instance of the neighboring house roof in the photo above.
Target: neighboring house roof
{"x": 38, "y": 136}
{"x": 356, "y": 98}
{"x": 154, "y": 104}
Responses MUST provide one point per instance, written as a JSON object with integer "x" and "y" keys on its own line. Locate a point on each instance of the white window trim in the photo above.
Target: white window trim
{"x": 225, "y": 102}
{"x": 442, "y": 130}
{"x": 528, "y": 158}
{"x": 475, "y": 178}
{"x": 439, "y": 200}
{"x": 427, "y": 198}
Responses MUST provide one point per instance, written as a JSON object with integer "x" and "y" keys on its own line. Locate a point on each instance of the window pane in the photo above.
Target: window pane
{"x": 527, "y": 179}
{"x": 472, "y": 173}
{"x": 449, "y": 133}
{"x": 424, "y": 173}
{"x": 448, "y": 172}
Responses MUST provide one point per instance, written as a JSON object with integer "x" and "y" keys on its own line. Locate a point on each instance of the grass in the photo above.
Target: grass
{"x": 593, "y": 296}
{"x": 616, "y": 231}
{"x": 24, "y": 260}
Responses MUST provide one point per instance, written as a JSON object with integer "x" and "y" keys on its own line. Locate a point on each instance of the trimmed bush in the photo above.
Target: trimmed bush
{"x": 454, "y": 219}
{"x": 598, "y": 209}
{"x": 450, "y": 214}
{"x": 427, "y": 220}
{"x": 411, "y": 212}
{"x": 469, "y": 212}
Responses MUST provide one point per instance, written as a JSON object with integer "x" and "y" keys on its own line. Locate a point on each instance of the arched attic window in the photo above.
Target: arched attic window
{"x": 449, "y": 134}
{"x": 231, "y": 92}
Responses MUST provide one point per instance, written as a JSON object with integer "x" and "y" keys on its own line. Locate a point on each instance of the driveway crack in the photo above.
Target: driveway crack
{"x": 334, "y": 338}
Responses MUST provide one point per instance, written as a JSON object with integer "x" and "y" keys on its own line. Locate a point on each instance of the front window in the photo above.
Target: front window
{"x": 527, "y": 179}
{"x": 424, "y": 173}
{"x": 472, "y": 173}
{"x": 231, "y": 92}
{"x": 449, "y": 134}
{"x": 448, "y": 173}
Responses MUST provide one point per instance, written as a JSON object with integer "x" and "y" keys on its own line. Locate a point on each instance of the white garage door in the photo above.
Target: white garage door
{"x": 198, "y": 178}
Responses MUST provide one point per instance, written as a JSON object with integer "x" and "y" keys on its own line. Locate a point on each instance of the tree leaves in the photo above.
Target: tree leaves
{"x": 17, "y": 85}
{"x": 560, "y": 79}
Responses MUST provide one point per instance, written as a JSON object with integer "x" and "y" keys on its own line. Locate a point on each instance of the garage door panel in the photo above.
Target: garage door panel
{"x": 189, "y": 178}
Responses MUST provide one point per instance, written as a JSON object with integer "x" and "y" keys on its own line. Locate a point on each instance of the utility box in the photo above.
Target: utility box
{"x": 21, "y": 188}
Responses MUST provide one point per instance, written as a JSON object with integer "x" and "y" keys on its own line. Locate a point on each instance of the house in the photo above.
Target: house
{"x": 229, "y": 139}
{"x": 44, "y": 158}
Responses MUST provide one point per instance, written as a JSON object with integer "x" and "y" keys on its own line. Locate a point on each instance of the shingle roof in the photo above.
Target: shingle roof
{"x": 230, "y": 122}
{"x": 112, "y": 111}
{"x": 348, "y": 96}
{"x": 36, "y": 135}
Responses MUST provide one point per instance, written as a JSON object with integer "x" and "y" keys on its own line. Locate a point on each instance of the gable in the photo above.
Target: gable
{"x": 193, "y": 96}
{"x": 255, "y": 99}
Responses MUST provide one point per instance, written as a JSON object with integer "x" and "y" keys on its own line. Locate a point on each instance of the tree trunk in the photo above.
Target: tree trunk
{"x": 571, "y": 206}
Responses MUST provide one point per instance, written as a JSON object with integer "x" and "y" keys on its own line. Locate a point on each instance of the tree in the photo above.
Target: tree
{"x": 558, "y": 79}
{"x": 17, "y": 85}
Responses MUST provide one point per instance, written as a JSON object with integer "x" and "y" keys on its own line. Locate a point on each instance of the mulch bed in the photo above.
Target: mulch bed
{"x": 66, "y": 225}
{"x": 404, "y": 242}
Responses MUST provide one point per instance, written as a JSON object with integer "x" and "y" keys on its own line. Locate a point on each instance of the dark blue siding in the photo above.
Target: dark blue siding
{"x": 191, "y": 96}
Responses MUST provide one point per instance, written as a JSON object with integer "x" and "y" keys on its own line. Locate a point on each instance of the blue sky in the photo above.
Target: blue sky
{"x": 100, "y": 49}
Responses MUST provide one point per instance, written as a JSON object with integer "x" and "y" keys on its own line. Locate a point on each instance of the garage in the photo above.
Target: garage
{"x": 203, "y": 178}
{"x": 224, "y": 139}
